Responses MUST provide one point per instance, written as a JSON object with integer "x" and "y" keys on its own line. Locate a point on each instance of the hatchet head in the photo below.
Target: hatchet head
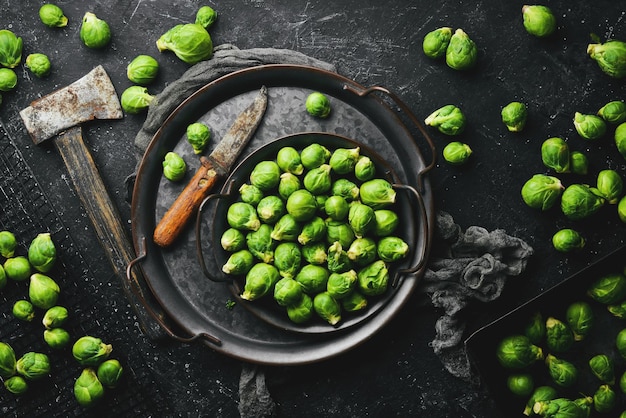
{"x": 91, "y": 97}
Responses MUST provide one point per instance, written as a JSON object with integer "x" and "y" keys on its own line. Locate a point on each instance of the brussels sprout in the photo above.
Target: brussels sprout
{"x": 287, "y": 292}
{"x": 610, "y": 185}
{"x": 622, "y": 383}
{"x": 377, "y": 193}
{"x": 620, "y": 343}
{"x": 142, "y": 70}
{"x": 336, "y": 207}
{"x": 314, "y": 155}
{"x": 317, "y": 104}
{"x": 261, "y": 244}
{"x": 250, "y": 194}
{"x": 436, "y": 42}
{"x": 88, "y": 389}
{"x": 338, "y": 260}
{"x": 559, "y": 408}
{"x": 580, "y": 318}
{"x": 338, "y": 231}
{"x": 535, "y": 329}
{"x": 109, "y": 373}
{"x": 555, "y": 154}
{"x": 461, "y": 53}
{"x": 580, "y": 201}
{"x": 10, "y": 49}
{"x": 373, "y": 278}
{"x": 353, "y": 302}
{"x": 43, "y": 292}
{"x": 362, "y": 251}
{"x": 198, "y": 136}
{"x": 346, "y": 189}
{"x": 174, "y": 167}
{"x": 584, "y": 404}
{"x": 386, "y": 222}
{"x": 589, "y": 126}
{"x": 288, "y": 184}
{"x": 610, "y": 56}
{"x": 613, "y": 112}
{"x": 604, "y": 399}
{"x": 17, "y": 385}
{"x": 320, "y": 201}
{"x": 327, "y": 308}
{"x": 318, "y": 179}
{"x": 314, "y": 253}
{"x": 239, "y": 262}
{"x": 287, "y": 228}
{"x": 260, "y": 280}
{"x": 302, "y": 311}
{"x": 7, "y": 360}
{"x": 206, "y": 16}
{"x": 301, "y": 205}
{"x": 52, "y": 16}
{"x": 340, "y": 285}
{"x": 620, "y": 138}
{"x": 456, "y": 153}
{"x": 343, "y": 160}
{"x": 233, "y": 240}
{"x": 538, "y": 20}
{"x": 520, "y": 384}
{"x": 288, "y": 259}
{"x": 17, "y": 268}
{"x": 578, "y": 163}
{"x": 33, "y": 365}
{"x": 559, "y": 337}
{"x": 94, "y": 32}
{"x": 56, "y": 338}
{"x": 448, "y": 119}
{"x": 265, "y": 175}
{"x": 514, "y": 116}
{"x": 54, "y": 317}
{"x": 603, "y": 368}
{"x": 38, "y": 64}
{"x": 8, "y": 79}
{"x": 312, "y": 231}
{"x": 517, "y": 352}
{"x": 562, "y": 372}
{"x": 288, "y": 159}
{"x": 312, "y": 278}
{"x": 362, "y": 219}
{"x": 90, "y": 351}
{"x": 243, "y": 216}
{"x": 567, "y": 239}
{"x": 270, "y": 209}
{"x": 608, "y": 289}
{"x": 7, "y": 244}
{"x": 618, "y": 309}
{"x": 135, "y": 99}
{"x": 541, "y": 393}
{"x": 42, "y": 253}
{"x": 392, "y": 249}
{"x": 24, "y": 310}
{"x": 190, "y": 42}
{"x": 621, "y": 209}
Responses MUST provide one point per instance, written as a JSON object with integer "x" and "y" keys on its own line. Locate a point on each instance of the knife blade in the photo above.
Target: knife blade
{"x": 211, "y": 169}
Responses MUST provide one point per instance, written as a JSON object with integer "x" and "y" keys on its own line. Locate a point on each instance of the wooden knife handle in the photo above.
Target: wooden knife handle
{"x": 186, "y": 204}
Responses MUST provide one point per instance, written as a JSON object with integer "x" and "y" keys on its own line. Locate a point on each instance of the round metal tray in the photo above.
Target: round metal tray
{"x": 200, "y": 307}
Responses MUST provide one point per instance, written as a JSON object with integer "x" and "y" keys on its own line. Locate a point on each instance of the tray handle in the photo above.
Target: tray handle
{"x": 142, "y": 254}
{"x": 215, "y": 272}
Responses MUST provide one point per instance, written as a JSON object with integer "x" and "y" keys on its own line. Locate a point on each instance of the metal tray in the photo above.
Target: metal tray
{"x": 199, "y": 306}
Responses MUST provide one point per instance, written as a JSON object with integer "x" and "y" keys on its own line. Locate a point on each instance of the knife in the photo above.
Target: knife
{"x": 211, "y": 169}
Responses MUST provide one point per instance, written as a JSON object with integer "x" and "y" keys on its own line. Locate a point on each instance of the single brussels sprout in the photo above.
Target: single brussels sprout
{"x": 456, "y": 153}
{"x": 42, "y": 252}
{"x": 312, "y": 278}
{"x": 386, "y": 222}
{"x": 17, "y": 268}
{"x": 302, "y": 311}
{"x": 436, "y": 42}
{"x": 302, "y": 205}
{"x": 589, "y": 126}
{"x": 390, "y": 249}
{"x": 337, "y": 208}
{"x": 10, "y": 49}
{"x": 55, "y": 317}
{"x": 288, "y": 159}
{"x": 377, "y": 193}
{"x": 610, "y": 185}
{"x": 8, "y": 79}
{"x": 109, "y": 373}
{"x": 521, "y": 384}
{"x": 239, "y": 262}
{"x": 88, "y": 389}
{"x": 580, "y": 318}
{"x": 617, "y": 309}
{"x": 38, "y": 64}
{"x": 558, "y": 407}
{"x": 287, "y": 228}
{"x": 243, "y": 216}
{"x": 260, "y": 280}
{"x": 603, "y": 368}
{"x": 312, "y": 231}
{"x": 461, "y": 53}
{"x": 33, "y": 365}
{"x": 613, "y": 112}
{"x": 56, "y": 338}
{"x": 288, "y": 259}
{"x": 270, "y": 209}
{"x": 338, "y": 231}
{"x": 7, "y": 360}
{"x": 364, "y": 169}
{"x": 567, "y": 239}
{"x": 142, "y": 70}
{"x": 43, "y": 292}
{"x": 621, "y": 209}
{"x": 265, "y": 175}
{"x": 8, "y": 243}
{"x": 535, "y": 329}
{"x": 343, "y": 160}
{"x": 362, "y": 219}
{"x": 580, "y": 201}
{"x": 604, "y": 399}
{"x": 314, "y": 155}
{"x": 559, "y": 336}
{"x": 340, "y": 285}
{"x": 585, "y": 404}
{"x": 318, "y": 179}
{"x": 555, "y": 154}
{"x": 518, "y": 352}
{"x": 578, "y": 163}
{"x": 198, "y": 136}
{"x": 206, "y": 16}
{"x": 287, "y": 292}
{"x": 52, "y": 16}
{"x": 261, "y": 244}
{"x": 174, "y": 166}
{"x": 190, "y": 42}
{"x": 314, "y": 253}
{"x": 346, "y": 189}
{"x": 353, "y": 302}
{"x": 327, "y": 308}
{"x": 620, "y": 138}
{"x": 448, "y": 119}
{"x": 337, "y": 257}
{"x": 90, "y": 351}
{"x": 94, "y": 32}
{"x": 17, "y": 385}
{"x": 608, "y": 289}
{"x": 538, "y": 20}
{"x": 135, "y": 99}
{"x": 610, "y": 56}
{"x": 288, "y": 184}
{"x": 373, "y": 278}
{"x": 250, "y": 194}
{"x": 233, "y": 240}
{"x": 514, "y": 116}
{"x": 24, "y": 310}
{"x": 362, "y": 251}
{"x": 620, "y": 343}
{"x": 541, "y": 393}
{"x": 562, "y": 372}
{"x": 318, "y": 105}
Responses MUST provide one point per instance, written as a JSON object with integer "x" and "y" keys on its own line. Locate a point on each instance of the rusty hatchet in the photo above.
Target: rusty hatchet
{"x": 58, "y": 117}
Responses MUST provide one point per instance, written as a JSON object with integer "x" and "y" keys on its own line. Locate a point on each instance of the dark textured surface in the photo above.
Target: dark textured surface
{"x": 375, "y": 43}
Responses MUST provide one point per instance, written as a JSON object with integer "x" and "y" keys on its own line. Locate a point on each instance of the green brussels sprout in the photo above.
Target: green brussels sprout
{"x": 514, "y": 116}
{"x": 142, "y": 70}
{"x": 109, "y": 373}
{"x": 362, "y": 219}
{"x": 17, "y": 385}
{"x": 518, "y": 352}
{"x": 206, "y": 16}
{"x": 603, "y": 368}
{"x": 312, "y": 278}
{"x": 54, "y": 317}
{"x": 24, "y": 310}
{"x": 88, "y": 389}
{"x": 52, "y": 16}
{"x": 578, "y": 163}
{"x": 559, "y": 408}
{"x": 618, "y": 309}
{"x": 589, "y": 126}
{"x": 288, "y": 159}
{"x": 314, "y": 155}
{"x": 610, "y": 56}
{"x": 343, "y": 160}
{"x": 260, "y": 280}
{"x": 340, "y": 285}
{"x": 190, "y": 42}
{"x": 94, "y": 32}
{"x": 541, "y": 393}
{"x": 584, "y": 403}
{"x": 8, "y": 243}
{"x": 90, "y": 351}
{"x": 555, "y": 154}
{"x": 7, "y": 360}
{"x": 604, "y": 399}
{"x": 287, "y": 292}
{"x": 301, "y": 311}
{"x": 56, "y": 338}
{"x": 336, "y": 207}
{"x": 535, "y": 329}
{"x": 43, "y": 292}
{"x": 620, "y": 138}
{"x": 288, "y": 184}
{"x": 580, "y": 201}
{"x": 610, "y": 185}
{"x": 8, "y": 79}
{"x": 622, "y": 383}
{"x": 312, "y": 231}
{"x": 10, "y": 49}
{"x": 270, "y": 209}
{"x": 38, "y": 64}
{"x": 17, "y": 268}
{"x": 521, "y": 384}
{"x": 390, "y": 249}
{"x": 346, "y": 189}
{"x": 461, "y": 53}
{"x": 261, "y": 244}
{"x": 288, "y": 259}
{"x": 265, "y": 175}
{"x": 373, "y": 278}
{"x": 567, "y": 239}
{"x": 239, "y": 262}
{"x": 233, "y": 240}
{"x": 42, "y": 252}
{"x": 318, "y": 105}
{"x": 337, "y": 258}
{"x": 377, "y": 193}
{"x": 243, "y": 216}
{"x": 33, "y": 365}
{"x": 318, "y": 179}
{"x": 301, "y": 205}
{"x": 353, "y": 302}
{"x": 538, "y": 20}
{"x": 314, "y": 253}
{"x": 448, "y": 119}
{"x": 608, "y": 289}
{"x": 436, "y": 42}
{"x": 562, "y": 372}
{"x": 339, "y": 231}
{"x": 198, "y": 136}
{"x": 250, "y": 194}
{"x": 327, "y": 308}
{"x": 580, "y": 318}
{"x": 174, "y": 167}
{"x": 621, "y": 209}
{"x": 364, "y": 169}
{"x": 386, "y": 222}
{"x": 135, "y": 99}
{"x": 362, "y": 251}
{"x": 559, "y": 336}
{"x": 613, "y": 112}
{"x": 620, "y": 343}
{"x": 287, "y": 228}
{"x": 456, "y": 153}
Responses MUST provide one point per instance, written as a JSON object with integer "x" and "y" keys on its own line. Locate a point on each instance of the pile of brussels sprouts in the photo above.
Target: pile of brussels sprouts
{"x": 99, "y": 371}
{"x": 557, "y": 389}
{"x": 315, "y": 229}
